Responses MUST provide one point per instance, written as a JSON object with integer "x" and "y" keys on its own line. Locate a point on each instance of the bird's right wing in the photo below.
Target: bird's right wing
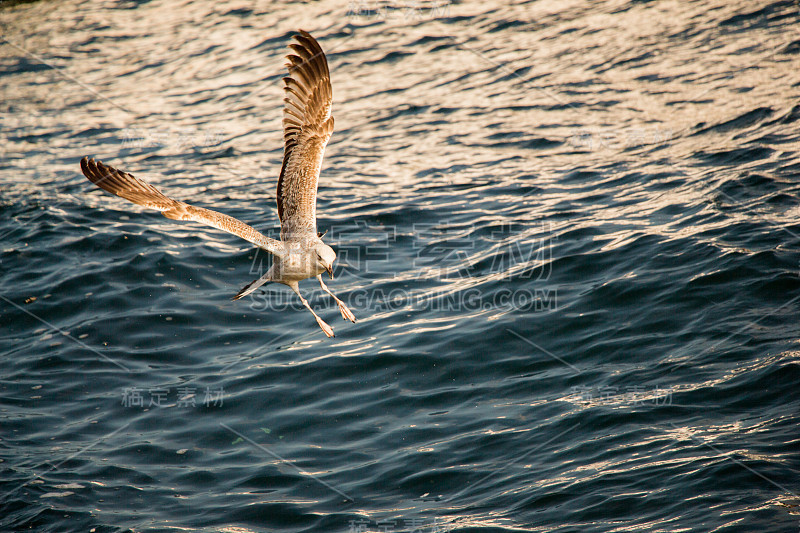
{"x": 307, "y": 127}
{"x": 126, "y": 186}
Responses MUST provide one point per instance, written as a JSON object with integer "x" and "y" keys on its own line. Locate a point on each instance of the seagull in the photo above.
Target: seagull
{"x": 307, "y": 126}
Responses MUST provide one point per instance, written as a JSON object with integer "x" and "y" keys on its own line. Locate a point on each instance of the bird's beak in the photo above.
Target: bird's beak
{"x": 329, "y": 269}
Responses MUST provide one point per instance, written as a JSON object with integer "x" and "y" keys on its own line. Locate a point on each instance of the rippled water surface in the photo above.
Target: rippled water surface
{"x": 569, "y": 231}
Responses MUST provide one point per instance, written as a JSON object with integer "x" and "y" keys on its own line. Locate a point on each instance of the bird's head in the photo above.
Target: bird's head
{"x": 325, "y": 257}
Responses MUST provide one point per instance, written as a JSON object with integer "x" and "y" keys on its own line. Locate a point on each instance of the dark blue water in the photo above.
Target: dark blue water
{"x": 569, "y": 231}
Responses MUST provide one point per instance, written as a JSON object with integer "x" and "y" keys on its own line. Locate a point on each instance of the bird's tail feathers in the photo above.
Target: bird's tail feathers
{"x": 250, "y": 287}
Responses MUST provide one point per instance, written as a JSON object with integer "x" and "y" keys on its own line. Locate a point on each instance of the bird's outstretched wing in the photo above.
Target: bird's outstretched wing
{"x": 307, "y": 126}
{"x": 126, "y": 186}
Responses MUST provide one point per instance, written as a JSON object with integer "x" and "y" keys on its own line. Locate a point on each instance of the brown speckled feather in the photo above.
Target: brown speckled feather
{"x": 126, "y": 186}
{"x": 307, "y": 126}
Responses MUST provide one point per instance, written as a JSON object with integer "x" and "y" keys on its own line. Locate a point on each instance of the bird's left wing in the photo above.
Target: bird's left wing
{"x": 307, "y": 126}
{"x": 126, "y": 186}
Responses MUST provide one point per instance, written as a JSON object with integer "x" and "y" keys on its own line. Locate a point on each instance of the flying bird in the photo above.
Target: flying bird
{"x": 307, "y": 126}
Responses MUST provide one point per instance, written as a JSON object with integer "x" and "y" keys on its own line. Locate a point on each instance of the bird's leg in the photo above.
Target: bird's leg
{"x": 346, "y": 313}
{"x": 322, "y": 324}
